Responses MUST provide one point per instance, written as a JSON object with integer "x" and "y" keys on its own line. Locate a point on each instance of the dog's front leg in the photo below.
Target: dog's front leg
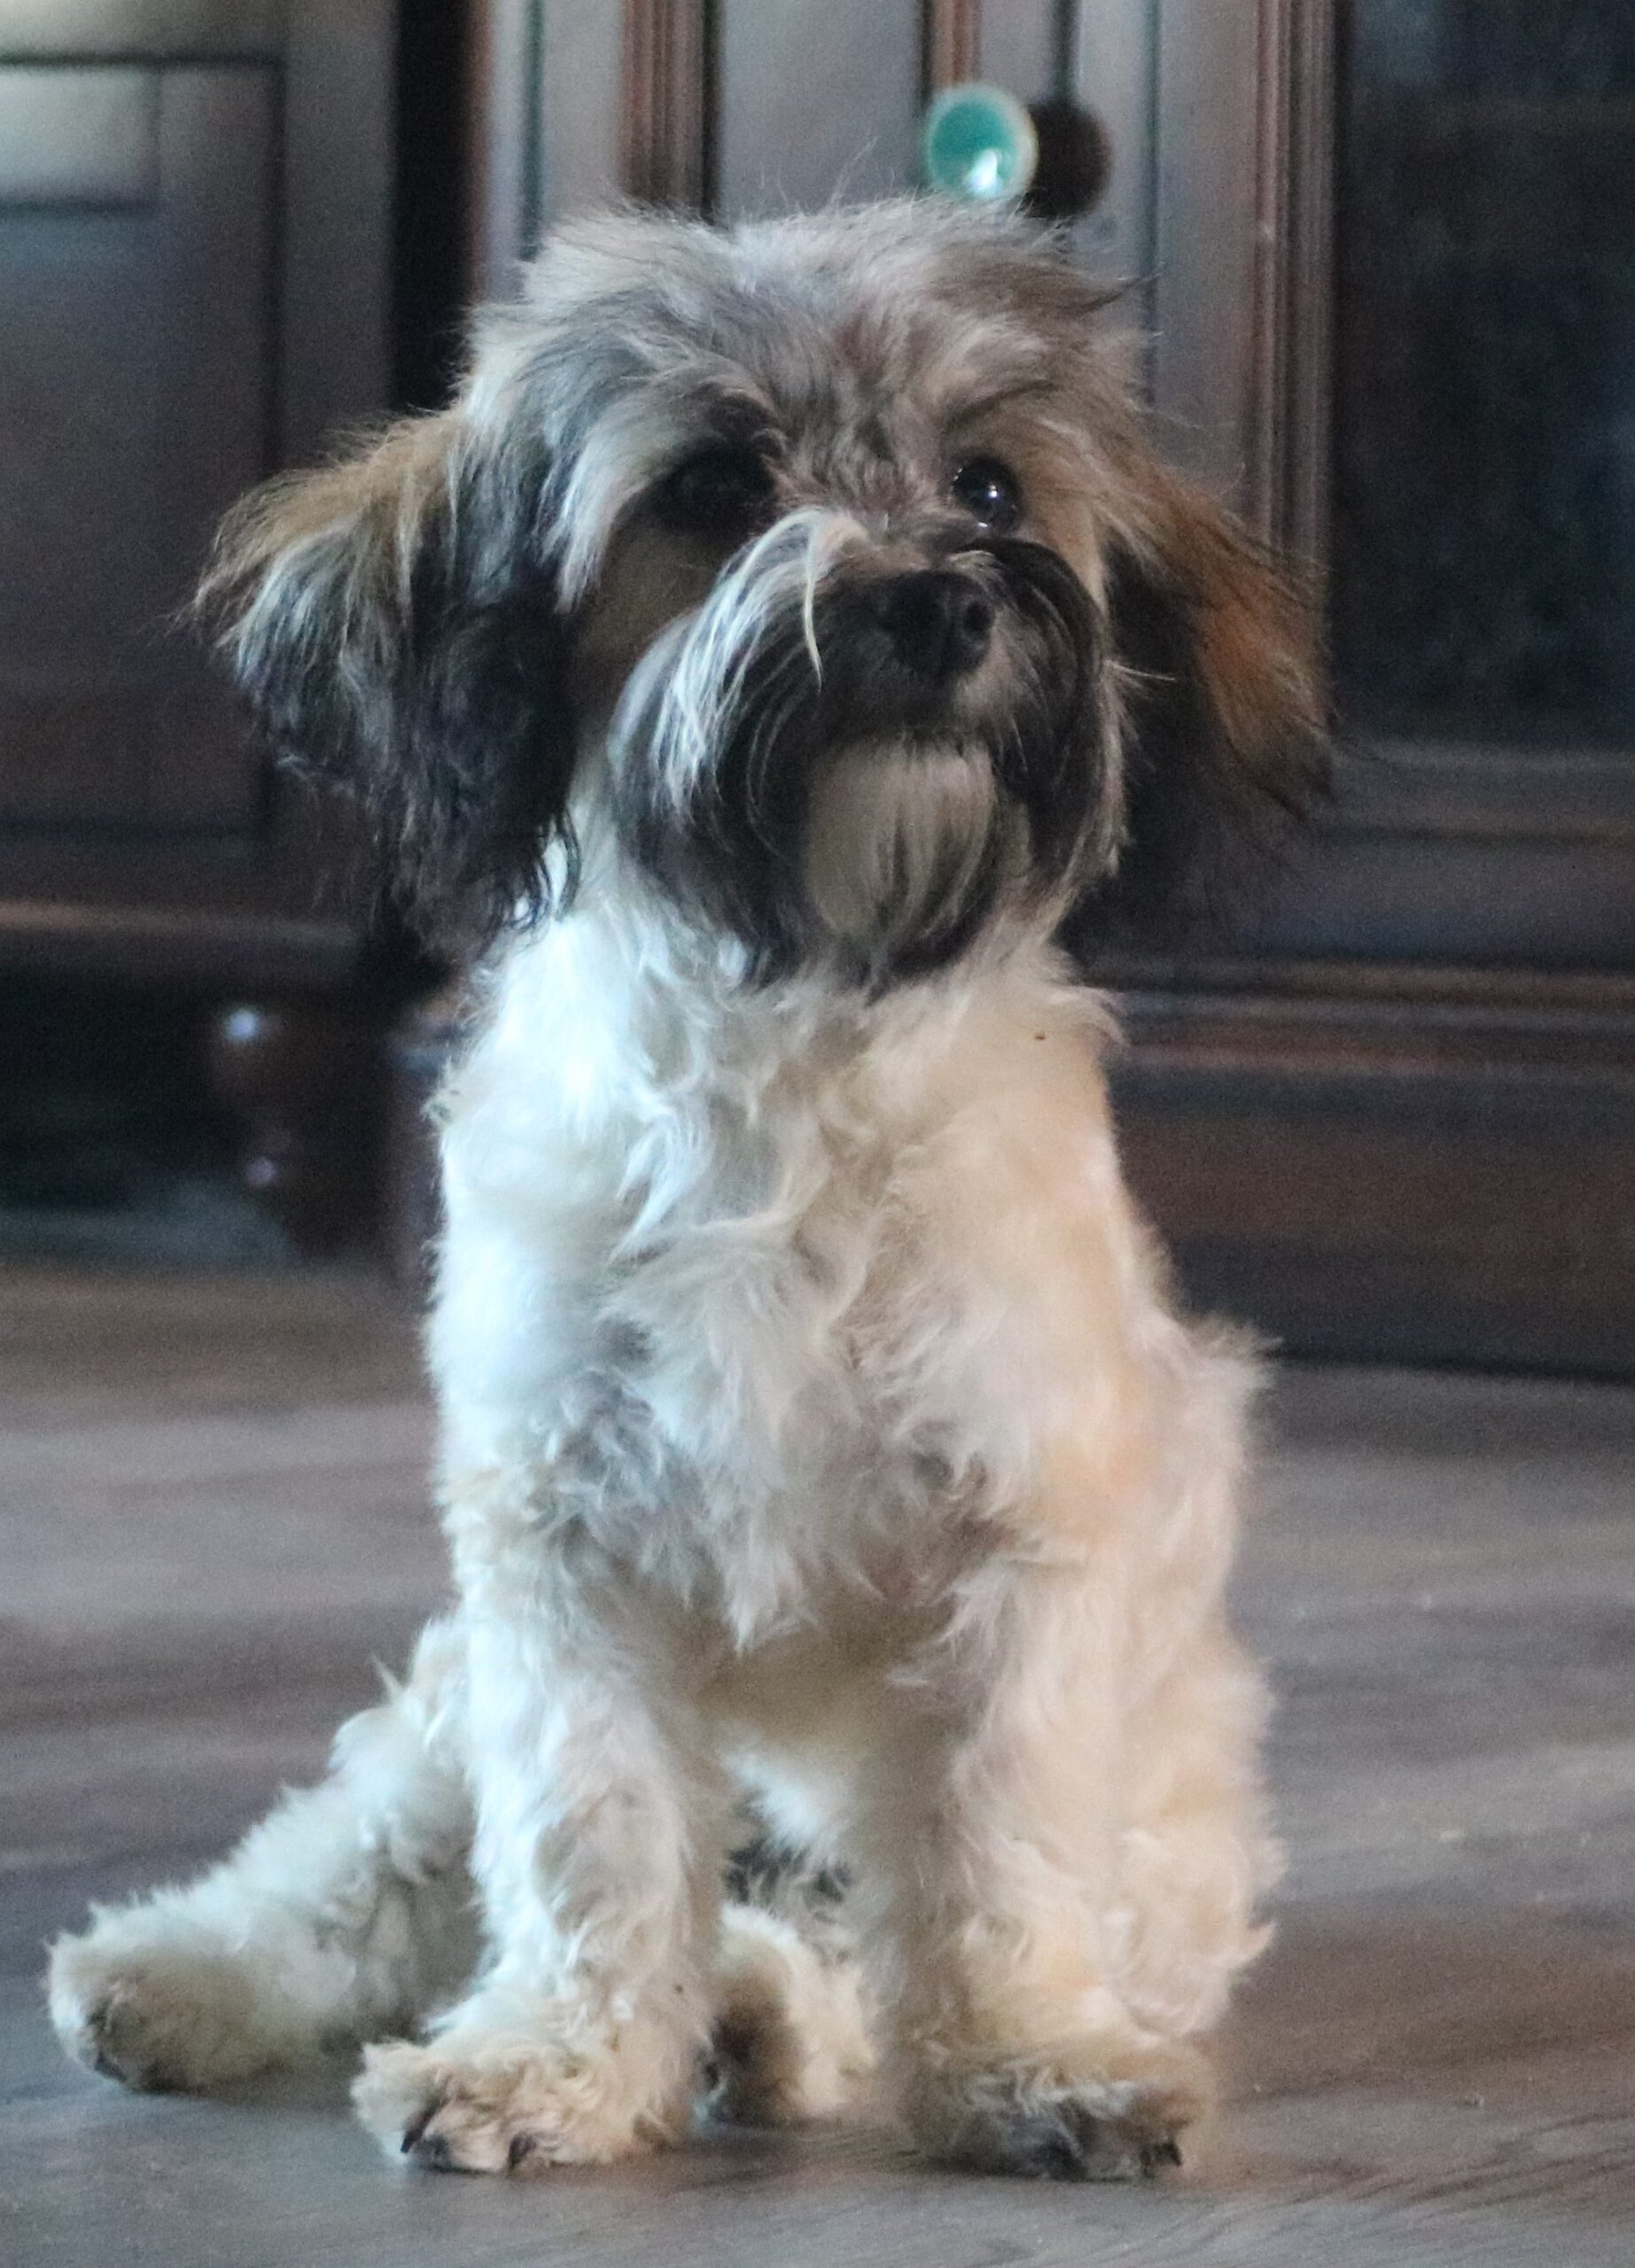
{"x": 597, "y": 1859}
{"x": 991, "y": 1838}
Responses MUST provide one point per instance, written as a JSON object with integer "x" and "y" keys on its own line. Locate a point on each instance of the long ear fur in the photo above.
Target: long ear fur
{"x": 394, "y": 629}
{"x": 1225, "y": 744}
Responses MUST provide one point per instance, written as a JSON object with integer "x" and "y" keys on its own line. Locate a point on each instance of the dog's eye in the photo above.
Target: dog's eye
{"x": 990, "y": 492}
{"x": 720, "y": 492}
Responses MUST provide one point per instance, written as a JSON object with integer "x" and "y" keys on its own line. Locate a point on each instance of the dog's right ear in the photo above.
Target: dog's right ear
{"x": 392, "y": 623}
{"x": 1226, "y": 749}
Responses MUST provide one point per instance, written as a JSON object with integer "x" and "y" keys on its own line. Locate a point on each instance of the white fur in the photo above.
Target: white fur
{"x": 682, "y": 694}
{"x": 812, "y": 1414}
{"x": 894, "y": 837}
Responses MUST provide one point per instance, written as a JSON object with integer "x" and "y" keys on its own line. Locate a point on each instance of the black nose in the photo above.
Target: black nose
{"x": 938, "y": 623}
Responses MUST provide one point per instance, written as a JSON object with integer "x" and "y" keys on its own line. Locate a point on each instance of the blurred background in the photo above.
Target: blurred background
{"x": 1382, "y": 260}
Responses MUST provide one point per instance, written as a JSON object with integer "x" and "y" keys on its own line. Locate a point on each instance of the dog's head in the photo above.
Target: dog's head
{"x": 813, "y": 579}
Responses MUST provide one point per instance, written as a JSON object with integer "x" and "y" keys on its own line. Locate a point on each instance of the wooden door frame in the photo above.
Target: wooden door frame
{"x": 1243, "y": 120}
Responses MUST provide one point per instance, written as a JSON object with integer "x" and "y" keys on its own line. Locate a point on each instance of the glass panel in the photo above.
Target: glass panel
{"x": 1484, "y": 535}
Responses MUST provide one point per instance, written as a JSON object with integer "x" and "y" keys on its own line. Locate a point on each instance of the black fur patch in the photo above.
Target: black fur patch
{"x": 1062, "y": 2138}
{"x": 430, "y": 689}
{"x": 1211, "y": 801}
{"x": 733, "y": 856}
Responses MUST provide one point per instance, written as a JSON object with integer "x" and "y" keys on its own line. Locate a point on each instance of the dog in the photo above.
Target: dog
{"x": 783, "y": 632}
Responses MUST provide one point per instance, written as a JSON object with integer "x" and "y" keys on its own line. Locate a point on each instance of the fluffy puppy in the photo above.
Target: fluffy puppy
{"x": 782, "y": 632}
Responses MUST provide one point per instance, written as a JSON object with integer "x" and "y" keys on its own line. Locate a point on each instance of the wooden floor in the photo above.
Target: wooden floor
{"x": 211, "y": 1516}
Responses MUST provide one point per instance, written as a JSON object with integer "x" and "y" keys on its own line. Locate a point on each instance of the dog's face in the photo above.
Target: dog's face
{"x": 813, "y": 579}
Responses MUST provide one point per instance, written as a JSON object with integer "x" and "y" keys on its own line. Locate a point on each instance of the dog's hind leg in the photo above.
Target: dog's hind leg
{"x": 346, "y": 1914}
{"x": 791, "y": 2041}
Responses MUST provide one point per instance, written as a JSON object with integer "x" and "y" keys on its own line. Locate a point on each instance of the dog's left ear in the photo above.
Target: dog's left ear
{"x": 1225, "y": 739}
{"x": 392, "y": 622}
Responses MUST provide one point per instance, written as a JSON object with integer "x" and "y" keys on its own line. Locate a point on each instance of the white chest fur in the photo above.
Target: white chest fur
{"x": 769, "y": 1290}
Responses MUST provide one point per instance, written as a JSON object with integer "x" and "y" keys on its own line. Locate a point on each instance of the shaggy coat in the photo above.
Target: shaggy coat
{"x": 781, "y": 635}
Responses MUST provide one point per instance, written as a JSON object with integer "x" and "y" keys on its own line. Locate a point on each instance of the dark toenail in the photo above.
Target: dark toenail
{"x": 432, "y": 2151}
{"x": 1165, "y": 2152}
{"x": 416, "y": 2128}
{"x": 523, "y": 2146}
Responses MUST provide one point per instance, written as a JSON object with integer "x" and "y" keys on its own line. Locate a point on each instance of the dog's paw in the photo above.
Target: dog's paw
{"x": 162, "y": 2017}
{"x": 477, "y": 2101}
{"x": 1083, "y": 2117}
{"x": 790, "y": 2044}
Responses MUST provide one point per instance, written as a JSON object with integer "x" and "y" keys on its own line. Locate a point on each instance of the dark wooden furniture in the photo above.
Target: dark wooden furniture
{"x": 196, "y": 210}
{"x": 1395, "y": 1116}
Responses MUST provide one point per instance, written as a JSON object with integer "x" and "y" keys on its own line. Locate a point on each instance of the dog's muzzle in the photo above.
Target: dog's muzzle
{"x": 843, "y": 754}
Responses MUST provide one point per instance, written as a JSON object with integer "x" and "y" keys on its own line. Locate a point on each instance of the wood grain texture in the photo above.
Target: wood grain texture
{"x": 812, "y": 102}
{"x": 136, "y": 279}
{"x": 212, "y": 1510}
{"x": 231, "y": 316}
{"x": 103, "y": 28}
{"x": 665, "y": 130}
{"x": 953, "y": 39}
{"x": 1289, "y": 413}
{"x": 1448, "y": 1185}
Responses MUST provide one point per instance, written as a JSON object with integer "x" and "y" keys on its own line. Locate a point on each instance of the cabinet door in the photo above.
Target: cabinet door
{"x": 749, "y": 106}
{"x": 1482, "y": 560}
{"x": 136, "y": 370}
{"x": 739, "y": 106}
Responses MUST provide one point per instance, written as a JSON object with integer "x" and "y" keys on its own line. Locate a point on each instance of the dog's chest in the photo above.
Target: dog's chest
{"x": 778, "y": 1332}
{"x": 754, "y": 1324}
{"x": 764, "y": 1310}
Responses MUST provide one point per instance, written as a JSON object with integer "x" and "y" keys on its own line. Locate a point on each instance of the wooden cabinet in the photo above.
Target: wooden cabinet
{"x": 137, "y": 209}
{"x": 196, "y": 280}
{"x": 195, "y": 276}
{"x": 1395, "y": 1116}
